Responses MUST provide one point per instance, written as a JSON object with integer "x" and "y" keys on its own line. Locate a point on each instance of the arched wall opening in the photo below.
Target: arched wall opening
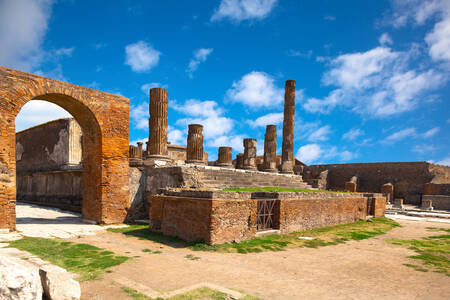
{"x": 48, "y": 159}
{"x": 104, "y": 121}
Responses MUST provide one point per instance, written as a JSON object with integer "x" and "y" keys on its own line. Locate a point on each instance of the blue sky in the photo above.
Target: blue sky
{"x": 372, "y": 76}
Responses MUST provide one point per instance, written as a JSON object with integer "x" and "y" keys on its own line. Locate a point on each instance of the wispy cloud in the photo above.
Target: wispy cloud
{"x": 200, "y": 55}
{"x": 240, "y": 10}
{"x": 141, "y": 57}
{"x": 269, "y": 119}
{"x": 352, "y": 134}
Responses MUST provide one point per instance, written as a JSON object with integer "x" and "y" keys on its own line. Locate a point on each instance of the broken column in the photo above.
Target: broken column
{"x": 388, "y": 189}
{"x": 239, "y": 160}
{"x": 287, "y": 156}
{"x": 225, "y": 158}
{"x": 350, "y": 186}
{"x": 249, "y": 160}
{"x": 270, "y": 149}
{"x": 159, "y": 100}
{"x": 194, "y": 152}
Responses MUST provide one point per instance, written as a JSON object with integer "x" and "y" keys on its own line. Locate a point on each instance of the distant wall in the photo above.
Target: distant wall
{"x": 60, "y": 189}
{"x": 438, "y": 201}
{"x": 48, "y": 165}
{"x": 408, "y": 178}
{"x": 49, "y": 146}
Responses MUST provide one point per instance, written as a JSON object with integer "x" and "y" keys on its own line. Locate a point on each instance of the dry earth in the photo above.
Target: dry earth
{"x": 367, "y": 269}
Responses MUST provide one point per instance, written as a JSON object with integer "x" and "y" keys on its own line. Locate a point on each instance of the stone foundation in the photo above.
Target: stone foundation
{"x": 217, "y": 217}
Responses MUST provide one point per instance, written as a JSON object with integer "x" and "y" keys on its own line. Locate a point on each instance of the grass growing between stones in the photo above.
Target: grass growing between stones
{"x": 197, "y": 294}
{"x": 86, "y": 260}
{"x": 433, "y": 252}
{"x": 278, "y": 189}
{"x": 313, "y": 238}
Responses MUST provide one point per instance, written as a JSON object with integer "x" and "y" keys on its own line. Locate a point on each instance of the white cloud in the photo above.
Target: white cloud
{"x": 352, "y": 134}
{"x": 234, "y": 141}
{"x": 309, "y": 153}
{"x": 377, "y": 82}
{"x": 145, "y": 88}
{"x": 239, "y": 10}
{"x": 64, "y": 51}
{"x": 321, "y": 134}
{"x": 200, "y": 55}
{"x": 36, "y": 112}
{"x": 400, "y": 135}
{"x": 269, "y": 119}
{"x": 256, "y": 89}
{"x": 141, "y": 56}
{"x": 315, "y": 153}
{"x": 139, "y": 115}
{"x": 23, "y": 25}
{"x": 444, "y": 162}
{"x": 424, "y": 148}
{"x": 176, "y": 136}
{"x": 329, "y": 18}
{"x": 208, "y": 114}
{"x": 439, "y": 40}
{"x": 431, "y": 132}
{"x": 385, "y": 39}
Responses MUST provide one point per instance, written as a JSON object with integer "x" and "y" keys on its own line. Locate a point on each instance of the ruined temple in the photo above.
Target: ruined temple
{"x": 88, "y": 165}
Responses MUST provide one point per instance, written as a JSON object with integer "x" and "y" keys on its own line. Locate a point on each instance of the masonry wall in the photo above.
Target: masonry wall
{"x": 408, "y": 178}
{"x": 221, "y": 217}
{"x": 61, "y": 189}
{"x": 49, "y": 146}
{"x": 441, "y": 202}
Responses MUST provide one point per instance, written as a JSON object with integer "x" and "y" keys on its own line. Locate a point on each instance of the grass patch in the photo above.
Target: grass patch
{"x": 416, "y": 267}
{"x": 192, "y": 257}
{"x": 438, "y": 229}
{"x": 433, "y": 252}
{"x": 150, "y": 251}
{"x": 279, "y": 189}
{"x": 325, "y": 236}
{"x": 200, "y": 293}
{"x": 142, "y": 232}
{"x": 86, "y": 260}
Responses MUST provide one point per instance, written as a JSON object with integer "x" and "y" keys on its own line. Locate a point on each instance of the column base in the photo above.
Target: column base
{"x": 136, "y": 162}
{"x": 195, "y": 162}
{"x": 287, "y": 167}
{"x": 250, "y": 168}
{"x": 270, "y": 170}
{"x": 157, "y": 160}
{"x": 224, "y": 165}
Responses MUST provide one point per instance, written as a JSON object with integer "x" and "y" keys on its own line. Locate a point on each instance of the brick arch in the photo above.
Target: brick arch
{"x": 104, "y": 120}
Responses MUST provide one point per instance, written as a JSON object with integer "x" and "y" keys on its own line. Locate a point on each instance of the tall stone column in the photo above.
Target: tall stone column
{"x": 249, "y": 161}
{"x": 225, "y": 158}
{"x": 157, "y": 146}
{"x": 287, "y": 156}
{"x": 195, "y": 144}
{"x": 270, "y": 149}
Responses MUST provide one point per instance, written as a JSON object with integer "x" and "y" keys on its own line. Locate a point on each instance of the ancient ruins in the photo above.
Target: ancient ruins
{"x": 87, "y": 165}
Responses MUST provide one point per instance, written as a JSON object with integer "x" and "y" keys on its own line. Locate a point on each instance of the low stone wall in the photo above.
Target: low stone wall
{"x": 207, "y": 177}
{"x": 438, "y": 201}
{"x": 218, "y": 217}
{"x": 61, "y": 189}
{"x": 436, "y": 189}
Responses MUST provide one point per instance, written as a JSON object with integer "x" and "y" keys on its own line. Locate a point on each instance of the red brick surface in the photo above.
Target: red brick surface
{"x": 104, "y": 121}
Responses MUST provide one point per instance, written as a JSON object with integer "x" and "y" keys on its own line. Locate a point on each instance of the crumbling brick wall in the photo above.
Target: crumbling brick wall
{"x": 408, "y": 178}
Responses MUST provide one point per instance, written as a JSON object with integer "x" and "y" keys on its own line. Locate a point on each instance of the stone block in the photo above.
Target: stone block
{"x": 350, "y": 186}
{"x": 398, "y": 203}
{"x": 427, "y": 204}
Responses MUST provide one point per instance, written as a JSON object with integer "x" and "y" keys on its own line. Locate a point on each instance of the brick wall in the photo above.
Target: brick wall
{"x": 408, "y": 178}
{"x": 438, "y": 201}
{"x": 218, "y": 217}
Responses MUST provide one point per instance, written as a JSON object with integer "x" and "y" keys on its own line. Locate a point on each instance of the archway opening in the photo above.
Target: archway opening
{"x": 57, "y": 151}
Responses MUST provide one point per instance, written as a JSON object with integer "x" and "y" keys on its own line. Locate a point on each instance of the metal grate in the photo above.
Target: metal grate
{"x": 264, "y": 217}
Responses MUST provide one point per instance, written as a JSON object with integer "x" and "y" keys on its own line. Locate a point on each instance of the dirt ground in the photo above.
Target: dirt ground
{"x": 367, "y": 269}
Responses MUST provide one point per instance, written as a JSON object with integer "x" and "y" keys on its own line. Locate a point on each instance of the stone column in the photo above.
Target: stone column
{"x": 287, "y": 157}
{"x": 350, "y": 186}
{"x": 157, "y": 146}
{"x": 239, "y": 160}
{"x": 388, "y": 189}
{"x": 270, "y": 149}
{"x": 140, "y": 150}
{"x": 249, "y": 161}
{"x": 225, "y": 157}
{"x": 194, "y": 153}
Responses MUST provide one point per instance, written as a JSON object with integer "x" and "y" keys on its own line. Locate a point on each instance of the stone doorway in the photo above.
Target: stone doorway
{"x": 104, "y": 120}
